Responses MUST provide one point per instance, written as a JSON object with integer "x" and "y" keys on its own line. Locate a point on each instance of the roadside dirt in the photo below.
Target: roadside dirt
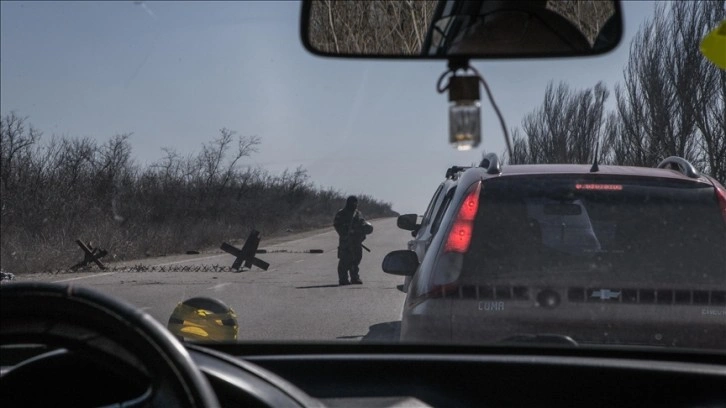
{"x": 264, "y": 242}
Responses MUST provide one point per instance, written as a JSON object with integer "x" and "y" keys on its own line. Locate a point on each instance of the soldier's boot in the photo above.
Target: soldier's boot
{"x": 342, "y": 274}
{"x": 354, "y": 278}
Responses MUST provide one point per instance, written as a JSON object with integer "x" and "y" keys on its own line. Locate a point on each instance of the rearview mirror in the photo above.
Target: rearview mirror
{"x": 441, "y": 29}
{"x": 407, "y": 222}
{"x": 403, "y": 262}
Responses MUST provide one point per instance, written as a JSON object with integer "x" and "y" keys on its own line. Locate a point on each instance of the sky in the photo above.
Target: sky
{"x": 174, "y": 73}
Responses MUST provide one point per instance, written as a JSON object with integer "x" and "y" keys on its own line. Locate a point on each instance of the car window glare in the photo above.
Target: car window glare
{"x": 442, "y": 210}
{"x": 432, "y": 204}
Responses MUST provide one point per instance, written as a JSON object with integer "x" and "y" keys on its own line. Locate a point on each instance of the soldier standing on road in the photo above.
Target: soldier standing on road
{"x": 352, "y": 230}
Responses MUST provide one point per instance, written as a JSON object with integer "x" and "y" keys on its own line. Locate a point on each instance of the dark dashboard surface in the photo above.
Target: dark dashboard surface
{"x": 354, "y": 375}
{"x": 396, "y": 376}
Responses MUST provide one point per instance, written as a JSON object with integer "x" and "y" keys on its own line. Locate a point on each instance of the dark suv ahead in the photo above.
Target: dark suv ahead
{"x": 573, "y": 254}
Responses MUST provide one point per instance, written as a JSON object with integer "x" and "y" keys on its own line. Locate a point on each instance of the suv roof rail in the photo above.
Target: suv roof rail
{"x": 680, "y": 164}
{"x": 490, "y": 161}
{"x": 452, "y": 171}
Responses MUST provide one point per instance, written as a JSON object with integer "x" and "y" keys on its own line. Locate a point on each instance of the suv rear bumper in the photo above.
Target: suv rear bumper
{"x": 495, "y": 321}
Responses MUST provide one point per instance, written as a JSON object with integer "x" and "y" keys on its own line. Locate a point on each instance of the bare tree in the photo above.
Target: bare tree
{"x": 587, "y": 15}
{"x": 520, "y": 148}
{"x": 566, "y": 129}
{"x": 708, "y": 101}
{"x": 16, "y": 141}
{"x": 115, "y": 156}
{"x": 370, "y": 27}
{"x": 212, "y": 158}
{"x": 672, "y": 99}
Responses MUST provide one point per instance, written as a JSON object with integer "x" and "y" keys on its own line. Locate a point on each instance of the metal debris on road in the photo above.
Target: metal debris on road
{"x": 90, "y": 254}
{"x": 246, "y": 255}
{"x": 289, "y": 251}
{"x": 154, "y": 268}
{"x": 6, "y": 276}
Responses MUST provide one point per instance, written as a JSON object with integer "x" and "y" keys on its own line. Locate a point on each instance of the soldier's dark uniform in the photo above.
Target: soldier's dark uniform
{"x": 348, "y": 223}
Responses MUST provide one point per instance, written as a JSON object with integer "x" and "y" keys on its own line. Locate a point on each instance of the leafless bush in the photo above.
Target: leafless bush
{"x": 16, "y": 143}
{"x": 71, "y": 188}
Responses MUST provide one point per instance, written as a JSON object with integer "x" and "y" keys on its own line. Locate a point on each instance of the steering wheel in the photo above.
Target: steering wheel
{"x": 89, "y": 338}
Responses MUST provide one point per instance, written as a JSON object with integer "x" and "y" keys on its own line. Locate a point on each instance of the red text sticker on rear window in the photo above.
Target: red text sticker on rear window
{"x": 606, "y": 187}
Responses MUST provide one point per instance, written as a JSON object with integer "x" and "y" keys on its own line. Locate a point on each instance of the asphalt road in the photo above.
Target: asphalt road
{"x": 297, "y": 298}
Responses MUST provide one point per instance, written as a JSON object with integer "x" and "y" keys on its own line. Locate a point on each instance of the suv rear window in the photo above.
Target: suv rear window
{"x": 599, "y": 230}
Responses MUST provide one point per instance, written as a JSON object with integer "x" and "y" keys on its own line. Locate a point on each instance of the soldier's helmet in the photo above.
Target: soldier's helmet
{"x": 366, "y": 227}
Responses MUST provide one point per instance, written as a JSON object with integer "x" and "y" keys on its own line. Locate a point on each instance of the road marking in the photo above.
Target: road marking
{"x": 299, "y": 260}
{"x": 190, "y": 260}
{"x": 84, "y": 277}
{"x": 219, "y": 287}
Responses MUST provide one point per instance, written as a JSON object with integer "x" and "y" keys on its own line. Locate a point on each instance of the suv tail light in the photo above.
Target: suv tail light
{"x": 460, "y": 234}
{"x": 444, "y": 281}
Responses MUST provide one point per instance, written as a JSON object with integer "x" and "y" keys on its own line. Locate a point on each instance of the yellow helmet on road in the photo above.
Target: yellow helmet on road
{"x": 203, "y": 319}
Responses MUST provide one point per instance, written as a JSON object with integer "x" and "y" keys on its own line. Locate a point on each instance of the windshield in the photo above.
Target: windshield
{"x": 194, "y": 160}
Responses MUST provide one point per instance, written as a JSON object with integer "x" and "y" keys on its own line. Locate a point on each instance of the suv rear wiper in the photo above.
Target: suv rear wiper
{"x": 542, "y": 339}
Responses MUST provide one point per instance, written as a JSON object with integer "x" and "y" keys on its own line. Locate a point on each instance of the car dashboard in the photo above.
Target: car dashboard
{"x": 351, "y": 375}
{"x": 385, "y": 376}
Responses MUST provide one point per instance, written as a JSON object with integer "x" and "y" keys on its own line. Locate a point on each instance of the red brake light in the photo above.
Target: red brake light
{"x": 469, "y": 207}
{"x": 459, "y": 237}
{"x": 605, "y": 187}
{"x": 460, "y": 234}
